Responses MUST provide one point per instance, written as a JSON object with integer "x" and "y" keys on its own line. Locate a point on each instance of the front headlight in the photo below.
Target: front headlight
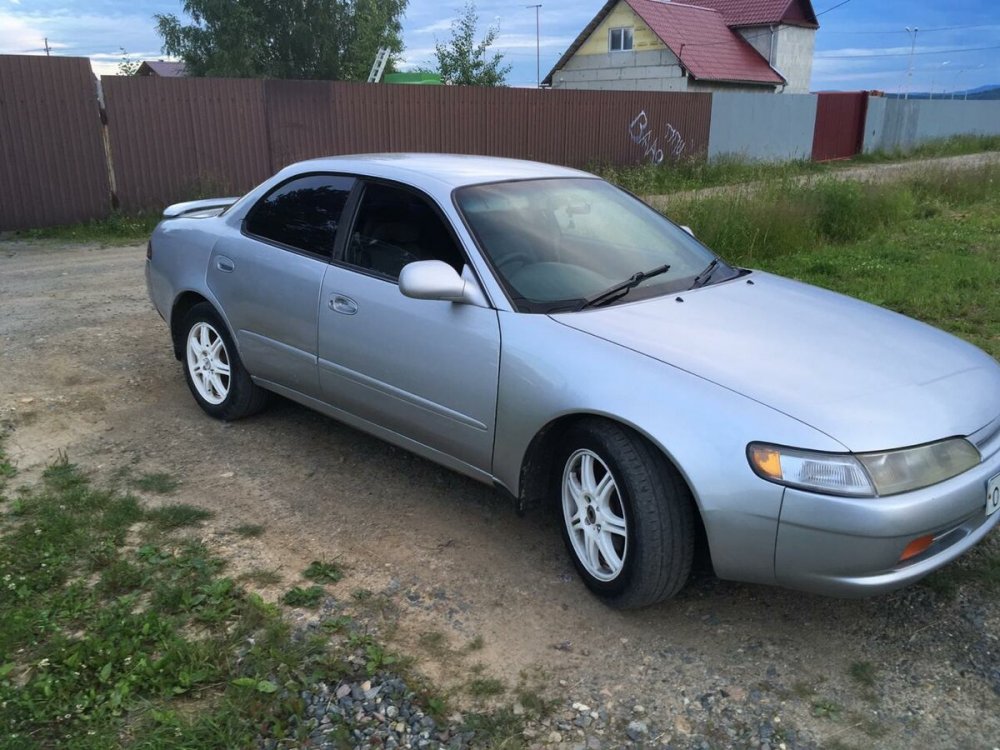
{"x": 863, "y": 474}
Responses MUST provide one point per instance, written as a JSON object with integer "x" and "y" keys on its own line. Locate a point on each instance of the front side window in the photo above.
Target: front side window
{"x": 395, "y": 227}
{"x": 302, "y": 214}
{"x": 555, "y": 243}
{"x": 620, "y": 40}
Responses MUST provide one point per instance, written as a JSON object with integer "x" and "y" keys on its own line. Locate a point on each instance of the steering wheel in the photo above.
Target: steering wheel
{"x": 510, "y": 259}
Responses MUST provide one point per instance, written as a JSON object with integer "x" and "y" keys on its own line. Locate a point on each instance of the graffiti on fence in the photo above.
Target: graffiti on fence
{"x": 642, "y": 135}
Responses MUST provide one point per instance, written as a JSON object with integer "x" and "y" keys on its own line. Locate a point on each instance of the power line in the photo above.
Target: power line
{"x": 838, "y": 5}
{"x": 904, "y": 54}
{"x": 922, "y": 30}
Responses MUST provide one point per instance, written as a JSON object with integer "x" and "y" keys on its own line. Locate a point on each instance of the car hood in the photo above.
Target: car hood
{"x": 867, "y": 377}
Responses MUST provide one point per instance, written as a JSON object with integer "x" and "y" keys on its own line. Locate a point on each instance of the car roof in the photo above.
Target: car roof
{"x": 450, "y": 170}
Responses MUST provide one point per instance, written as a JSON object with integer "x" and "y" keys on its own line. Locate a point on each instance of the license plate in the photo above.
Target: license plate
{"x": 993, "y": 495}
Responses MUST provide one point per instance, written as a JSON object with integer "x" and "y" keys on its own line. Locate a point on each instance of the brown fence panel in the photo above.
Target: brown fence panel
{"x": 174, "y": 139}
{"x": 840, "y": 125}
{"x": 316, "y": 118}
{"x": 51, "y": 149}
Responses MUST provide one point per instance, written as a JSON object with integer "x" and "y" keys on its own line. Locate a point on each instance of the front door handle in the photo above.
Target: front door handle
{"x": 340, "y": 303}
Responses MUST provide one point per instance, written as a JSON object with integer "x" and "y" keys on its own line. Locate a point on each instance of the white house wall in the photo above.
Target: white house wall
{"x": 760, "y": 38}
{"x": 655, "y": 70}
{"x": 793, "y": 57}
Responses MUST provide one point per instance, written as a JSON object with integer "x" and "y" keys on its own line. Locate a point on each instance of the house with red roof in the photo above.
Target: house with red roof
{"x": 763, "y": 46}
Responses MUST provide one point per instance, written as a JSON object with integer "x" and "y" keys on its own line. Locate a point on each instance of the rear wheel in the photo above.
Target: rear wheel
{"x": 213, "y": 370}
{"x": 628, "y": 516}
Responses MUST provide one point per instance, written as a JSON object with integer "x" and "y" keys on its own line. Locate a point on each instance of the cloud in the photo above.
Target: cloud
{"x": 443, "y": 25}
{"x": 18, "y": 35}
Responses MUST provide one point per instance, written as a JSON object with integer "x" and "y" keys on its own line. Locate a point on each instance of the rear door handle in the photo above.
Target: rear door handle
{"x": 224, "y": 264}
{"x": 340, "y": 303}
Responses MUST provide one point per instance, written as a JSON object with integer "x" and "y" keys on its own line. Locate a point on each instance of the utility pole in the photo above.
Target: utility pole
{"x": 47, "y": 48}
{"x": 538, "y": 47}
{"x": 913, "y": 44}
{"x": 934, "y": 77}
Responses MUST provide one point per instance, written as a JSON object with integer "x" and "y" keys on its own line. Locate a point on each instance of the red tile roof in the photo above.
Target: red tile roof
{"x": 705, "y": 45}
{"x": 762, "y": 12}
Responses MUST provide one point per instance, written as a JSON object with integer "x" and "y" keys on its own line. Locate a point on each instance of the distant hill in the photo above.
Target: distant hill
{"x": 989, "y": 92}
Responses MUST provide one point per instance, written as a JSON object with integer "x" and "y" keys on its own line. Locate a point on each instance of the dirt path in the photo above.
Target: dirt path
{"x": 862, "y": 173}
{"x": 86, "y": 368}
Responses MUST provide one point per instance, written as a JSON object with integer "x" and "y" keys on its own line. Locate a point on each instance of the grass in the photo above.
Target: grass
{"x": 177, "y": 515}
{"x": 7, "y": 468}
{"x": 157, "y": 483}
{"x": 107, "y": 644}
{"x": 249, "y": 530}
{"x": 486, "y": 687}
{"x": 694, "y": 174}
{"x": 925, "y": 247}
{"x": 304, "y": 597}
{"x": 863, "y": 673}
{"x": 322, "y": 572}
{"x": 104, "y": 645}
{"x": 958, "y": 145}
{"x": 116, "y": 229}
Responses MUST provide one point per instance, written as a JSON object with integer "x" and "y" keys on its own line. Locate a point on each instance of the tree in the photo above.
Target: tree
{"x": 463, "y": 62}
{"x": 127, "y": 66}
{"x": 324, "y": 39}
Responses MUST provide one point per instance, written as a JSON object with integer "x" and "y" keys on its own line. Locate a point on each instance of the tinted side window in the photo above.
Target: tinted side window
{"x": 303, "y": 213}
{"x": 395, "y": 227}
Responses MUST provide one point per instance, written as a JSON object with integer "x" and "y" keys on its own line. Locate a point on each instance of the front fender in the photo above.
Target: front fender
{"x": 549, "y": 371}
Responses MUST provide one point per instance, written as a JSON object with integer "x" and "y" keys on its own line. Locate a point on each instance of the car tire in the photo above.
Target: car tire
{"x": 213, "y": 370}
{"x": 627, "y": 515}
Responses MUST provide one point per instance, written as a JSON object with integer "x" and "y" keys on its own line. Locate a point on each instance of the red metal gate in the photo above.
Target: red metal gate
{"x": 840, "y": 125}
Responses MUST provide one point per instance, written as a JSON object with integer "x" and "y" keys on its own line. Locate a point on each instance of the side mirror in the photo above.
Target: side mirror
{"x": 687, "y": 229}
{"x": 432, "y": 279}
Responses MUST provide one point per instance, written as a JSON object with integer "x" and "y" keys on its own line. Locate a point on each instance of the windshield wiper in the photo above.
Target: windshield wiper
{"x": 620, "y": 290}
{"x": 702, "y": 278}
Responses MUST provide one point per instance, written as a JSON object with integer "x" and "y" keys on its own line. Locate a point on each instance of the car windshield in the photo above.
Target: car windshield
{"x": 563, "y": 244}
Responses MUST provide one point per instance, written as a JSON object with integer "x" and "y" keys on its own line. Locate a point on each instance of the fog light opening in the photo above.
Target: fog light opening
{"x": 916, "y": 547}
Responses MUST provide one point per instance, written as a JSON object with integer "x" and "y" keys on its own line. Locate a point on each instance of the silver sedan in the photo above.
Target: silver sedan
{"x": 535, "y": 328}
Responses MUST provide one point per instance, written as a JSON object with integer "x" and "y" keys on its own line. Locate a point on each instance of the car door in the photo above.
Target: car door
{"x": 268, "y": 278}
{"x": 424, "y": 369}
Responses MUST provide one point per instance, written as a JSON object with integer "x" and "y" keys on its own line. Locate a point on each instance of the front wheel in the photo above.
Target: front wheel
{"x": 213, "y": 369}
{"x": 628, "y": 516}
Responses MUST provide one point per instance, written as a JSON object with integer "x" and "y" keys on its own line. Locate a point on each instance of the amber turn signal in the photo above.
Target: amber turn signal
{"x": 918, "y": 545}
{"x": 767, "y": 460}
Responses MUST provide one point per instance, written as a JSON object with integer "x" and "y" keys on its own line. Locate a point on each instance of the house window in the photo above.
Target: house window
{"x": 620, "y": 40}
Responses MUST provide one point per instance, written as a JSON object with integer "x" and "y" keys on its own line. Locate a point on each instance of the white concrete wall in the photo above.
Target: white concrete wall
{"x": 762, "y": 128}
{"x": 789, "y": 50}
{"x": 656, "y": 70}
{"x": 794, "y": 47}
{"x": 760, "y": 39}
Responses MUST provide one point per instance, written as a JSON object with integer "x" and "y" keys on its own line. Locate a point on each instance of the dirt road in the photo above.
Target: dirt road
{"x": 86, "y": 368}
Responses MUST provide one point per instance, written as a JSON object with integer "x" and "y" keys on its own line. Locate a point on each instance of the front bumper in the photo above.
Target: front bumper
{"x": 851, "y": 547}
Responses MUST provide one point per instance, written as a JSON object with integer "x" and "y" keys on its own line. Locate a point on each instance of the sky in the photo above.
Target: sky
{"x": 861, "y": 44}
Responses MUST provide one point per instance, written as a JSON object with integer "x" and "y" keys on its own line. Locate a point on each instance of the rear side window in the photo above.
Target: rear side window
{"x": 303, "y": 213}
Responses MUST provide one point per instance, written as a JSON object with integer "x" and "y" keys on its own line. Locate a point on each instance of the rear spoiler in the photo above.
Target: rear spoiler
{"x": 210, "y": 207}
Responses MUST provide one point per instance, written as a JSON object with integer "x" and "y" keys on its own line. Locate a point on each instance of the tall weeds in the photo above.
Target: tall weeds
{"x": 785, "y": 217}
